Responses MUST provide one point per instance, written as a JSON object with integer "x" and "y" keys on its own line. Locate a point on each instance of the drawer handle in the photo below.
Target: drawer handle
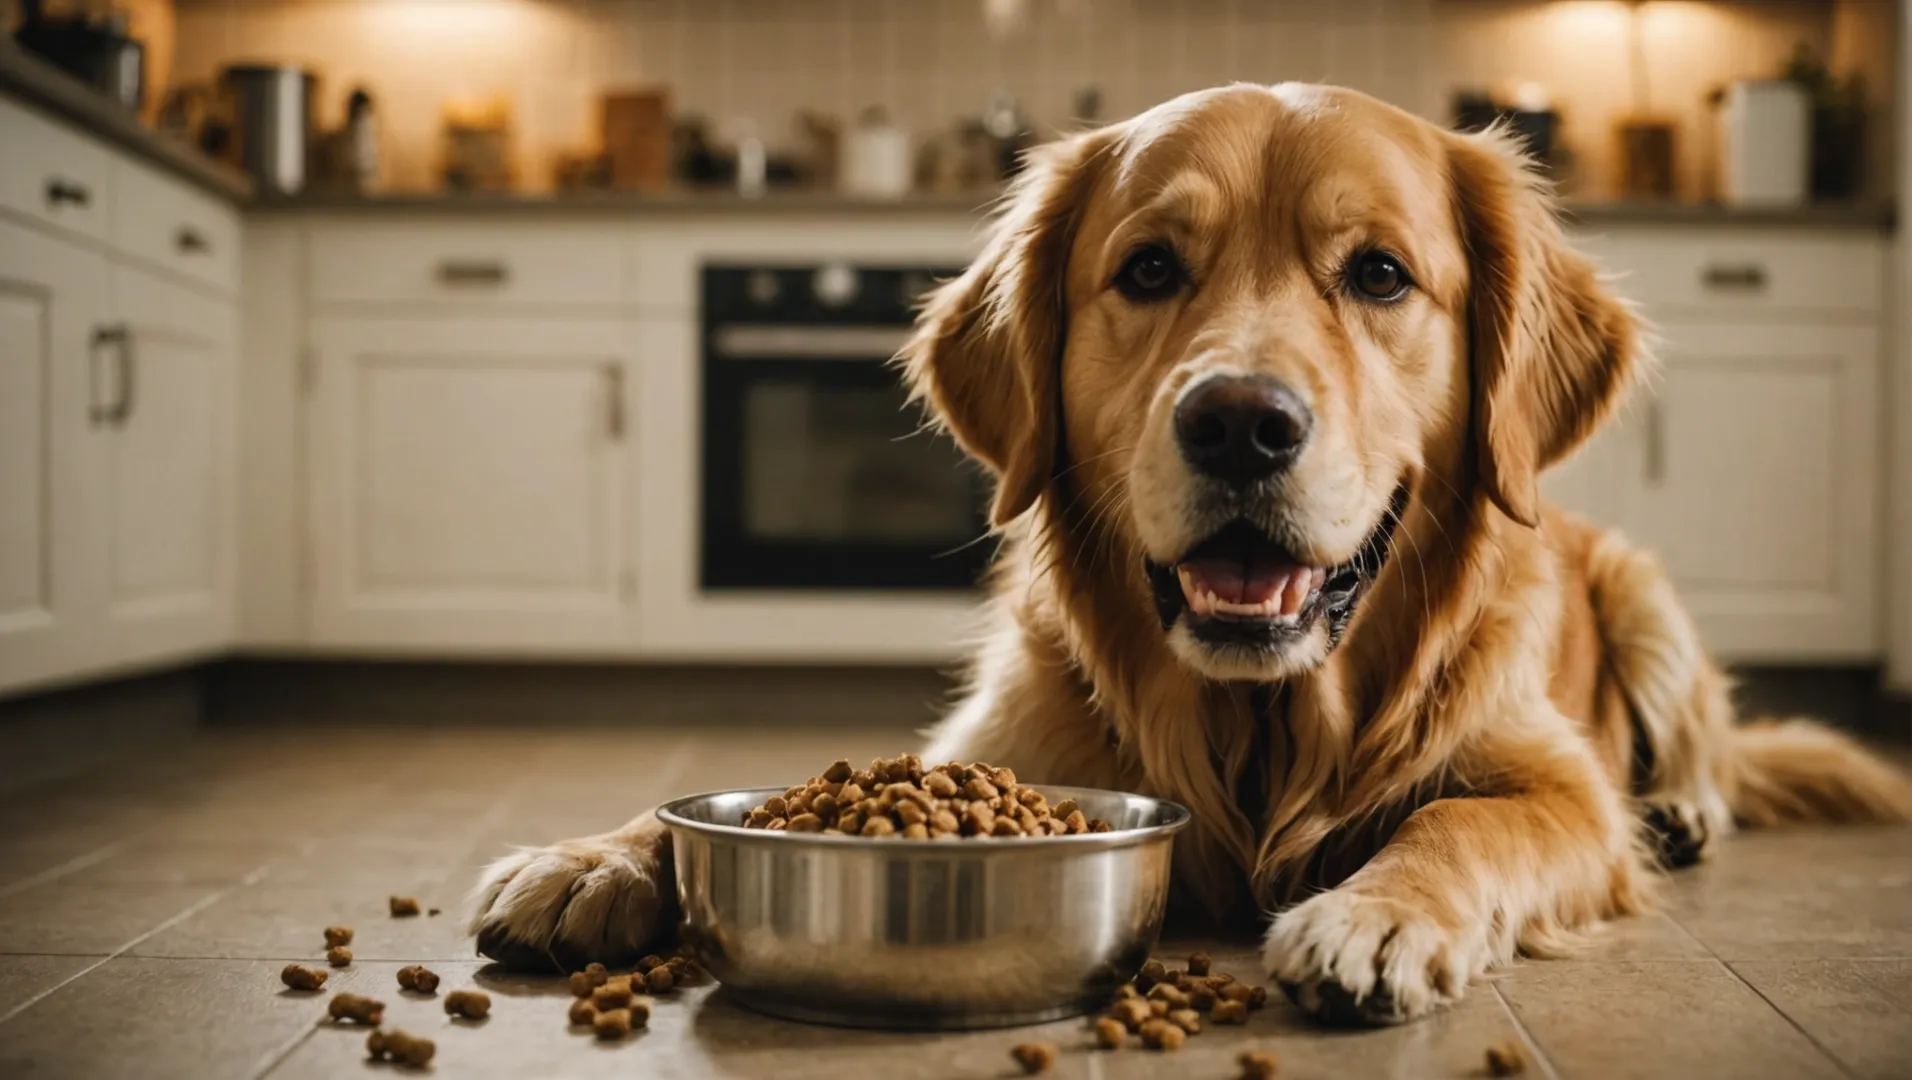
{"x": 60, "y": 191}
{"x": 1655, "y": 444}
{"x": 472, "y": 272}
{"x": 120, "y": 337}
{"x": 1746, "y": 276}
{"x": 191, "y": 241}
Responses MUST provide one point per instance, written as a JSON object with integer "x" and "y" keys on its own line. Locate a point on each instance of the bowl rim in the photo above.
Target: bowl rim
{"x": 1178, "y": 817}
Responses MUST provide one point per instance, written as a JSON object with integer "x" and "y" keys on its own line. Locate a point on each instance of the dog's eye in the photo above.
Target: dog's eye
{"x": 1151, "y": 273}
{"x": 1377, "y": 275}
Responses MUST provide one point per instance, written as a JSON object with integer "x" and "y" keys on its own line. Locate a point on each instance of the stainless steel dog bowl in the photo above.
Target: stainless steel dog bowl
{"x": 923, "y": 934}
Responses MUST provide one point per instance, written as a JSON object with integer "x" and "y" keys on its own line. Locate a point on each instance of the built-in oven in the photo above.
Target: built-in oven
{"x": 817, "y": 473}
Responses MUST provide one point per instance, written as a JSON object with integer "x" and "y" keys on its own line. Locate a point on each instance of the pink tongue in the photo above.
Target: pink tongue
{"x": 1256, "y": 583}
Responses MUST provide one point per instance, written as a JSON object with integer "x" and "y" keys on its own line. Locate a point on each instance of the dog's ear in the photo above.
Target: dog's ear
{"x": 1553, "y": 350}
{"x": 987, "y": 346}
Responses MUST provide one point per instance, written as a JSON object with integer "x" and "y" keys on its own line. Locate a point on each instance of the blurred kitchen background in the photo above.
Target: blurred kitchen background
{"x": 525, "y": 356}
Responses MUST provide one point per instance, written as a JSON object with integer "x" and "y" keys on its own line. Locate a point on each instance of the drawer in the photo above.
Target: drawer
{"x": 466, "y": 263}
{"x": 174, "y": 227}
{"x": 1747, "y": 272}
{"x": 51, "y": 172}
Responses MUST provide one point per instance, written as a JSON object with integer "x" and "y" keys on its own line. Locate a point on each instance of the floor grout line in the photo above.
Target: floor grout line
{"x": 1837, "y": 1063}
{"x": 1546, "y": 1059}
{"x": 277, "y": 1055}
{"x": 73, "y": 865}
{"x": 195, "y": 908}
{"x": 1747, "y": 983}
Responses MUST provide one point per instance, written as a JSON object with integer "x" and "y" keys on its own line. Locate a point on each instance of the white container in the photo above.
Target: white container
{"x": 876, "y": 162}
{"x": 1765, "y": 144}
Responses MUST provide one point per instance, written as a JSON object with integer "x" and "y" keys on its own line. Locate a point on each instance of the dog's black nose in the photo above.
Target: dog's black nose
{"x": 1241, "y": 428}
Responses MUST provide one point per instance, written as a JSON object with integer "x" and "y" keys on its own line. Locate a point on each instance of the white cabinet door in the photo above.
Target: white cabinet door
{"x": 52, "y": 303}
{"x": 167, "y": 487}
{"x": 470, "y": 485}
{"x": 1751, "y": 468}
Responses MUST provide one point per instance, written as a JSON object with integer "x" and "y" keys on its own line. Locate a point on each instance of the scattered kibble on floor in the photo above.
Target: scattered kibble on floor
{"x": 612, "y": 1025}
{"x": 403, "y": 906}
{"x": 336, "y": 936}
{"x": 1110, "y": 1033}
{"x": 1159, "y": 1034}
{"x": 1258, "y": 1065}
{"x": 1506, "y": 1059}
{"x": 400, "y": 1048}
{"x": 468, "y": 1004}
{"x": 1034, "y": 1057}
{"x": 417, "y": 977}
{"x": 338, "y": 956}
{"x": 300, "y": 977}
{"x": 356, "y": 1008}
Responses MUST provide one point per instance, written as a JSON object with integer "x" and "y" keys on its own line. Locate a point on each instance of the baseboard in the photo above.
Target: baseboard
{"x": 47, "y": 736}
{"x": 250, "y": 691}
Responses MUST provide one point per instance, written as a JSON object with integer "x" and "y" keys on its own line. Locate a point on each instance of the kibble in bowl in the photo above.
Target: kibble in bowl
{"x": 957, "y": 926}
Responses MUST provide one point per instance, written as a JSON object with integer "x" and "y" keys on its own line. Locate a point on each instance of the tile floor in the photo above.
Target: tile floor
{"x": 146, "y": 908}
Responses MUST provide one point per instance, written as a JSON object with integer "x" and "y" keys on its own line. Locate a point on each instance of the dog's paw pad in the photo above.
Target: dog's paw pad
{"x": 1678, "y": 831}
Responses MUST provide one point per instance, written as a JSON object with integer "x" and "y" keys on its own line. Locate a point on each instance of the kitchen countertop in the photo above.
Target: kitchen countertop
{"x": 1867, "y": 216}
{"x": 30, "y": 78}
{"x": 33, "y": 79}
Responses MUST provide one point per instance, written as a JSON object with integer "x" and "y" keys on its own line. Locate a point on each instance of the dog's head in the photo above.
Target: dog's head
{"x": 1244, "y": 330}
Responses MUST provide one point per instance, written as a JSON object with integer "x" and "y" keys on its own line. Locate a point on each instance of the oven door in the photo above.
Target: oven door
{"x": 817, "y": 474}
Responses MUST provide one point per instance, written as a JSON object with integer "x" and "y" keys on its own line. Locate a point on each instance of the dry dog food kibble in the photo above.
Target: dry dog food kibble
{"x": 1034, "y": 1057}
{"x": 1168, "y": 995}
{"x": 418, "y": 977}
{"x": 1159, "y": 1034}
{"x": 1187, "y": 1019}
{"x": 336, "y": 936}
{"x": 581, "y": 985}
{"x": 612, "y": 1025}
{"x": 400, "y": 1048}
{"x": 597, "y": 973}
{"x": 338, "y": 956}
{"x": 359, "y": 1010}
{"x": 1229, "y": 1012}
{"x": 1258, "y": 1065}
{"x": 612, "y": 995}
{"x": 1109, "y": 1033}
{"x": 898, "y": 797}
{"x": 582, "y": 1013}
{"x": 300, "y": 977}
{"x": 470, "y": 1004}
{"x": 403, "y": 906}
{"x": 1199, "y": 964}
{"x": 659, "y": 979}
{"x": 1507, "y": 1059}
{"x": 1152, "y": 972}
{"x": 1131, "y": 1013}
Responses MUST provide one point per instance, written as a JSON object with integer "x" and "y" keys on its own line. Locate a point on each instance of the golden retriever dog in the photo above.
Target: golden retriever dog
{"x": 1266, "y": 377}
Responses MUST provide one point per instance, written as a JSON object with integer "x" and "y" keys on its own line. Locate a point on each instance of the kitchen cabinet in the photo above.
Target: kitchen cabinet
{"x": 52, "y": 307}
{"x": 166, "y": 483}
{"x": 470, "y": 484}
{"x": 1750, "y": 463}
{"x": 1751, "y": 469}
{"x": 117, "y": 371}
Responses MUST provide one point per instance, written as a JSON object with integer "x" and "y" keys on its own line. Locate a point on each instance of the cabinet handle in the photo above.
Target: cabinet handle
{"x": 120, "y": 337}
{"x": 66, "y": 191}
{"x": 1655, "y": 444}
{"x": 614, "y": 401}
{"x": 472, "y": 272}
{"x": 1750, "y": 277}
{"x": 191, "y": 241}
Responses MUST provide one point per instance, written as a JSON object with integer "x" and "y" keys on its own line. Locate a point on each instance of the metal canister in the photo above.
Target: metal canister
{"x": 271, "y": 109}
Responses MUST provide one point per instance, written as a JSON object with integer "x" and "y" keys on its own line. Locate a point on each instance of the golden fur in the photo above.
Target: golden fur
{"x": 1462, "y": 774}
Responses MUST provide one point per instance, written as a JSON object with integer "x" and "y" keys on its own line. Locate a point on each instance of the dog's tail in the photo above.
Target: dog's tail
{"x": 1782, "y": 771}
{"x": 1689, "y": 744}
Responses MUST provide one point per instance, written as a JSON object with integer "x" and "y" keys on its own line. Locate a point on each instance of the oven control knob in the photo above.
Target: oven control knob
{"x": 835, "y": 284}
{"x": 762, "y": 287}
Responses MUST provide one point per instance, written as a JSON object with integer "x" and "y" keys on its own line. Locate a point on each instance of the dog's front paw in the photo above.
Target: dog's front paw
{"x": 597, "y": 899}
{"x": 1346, "y": 958}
